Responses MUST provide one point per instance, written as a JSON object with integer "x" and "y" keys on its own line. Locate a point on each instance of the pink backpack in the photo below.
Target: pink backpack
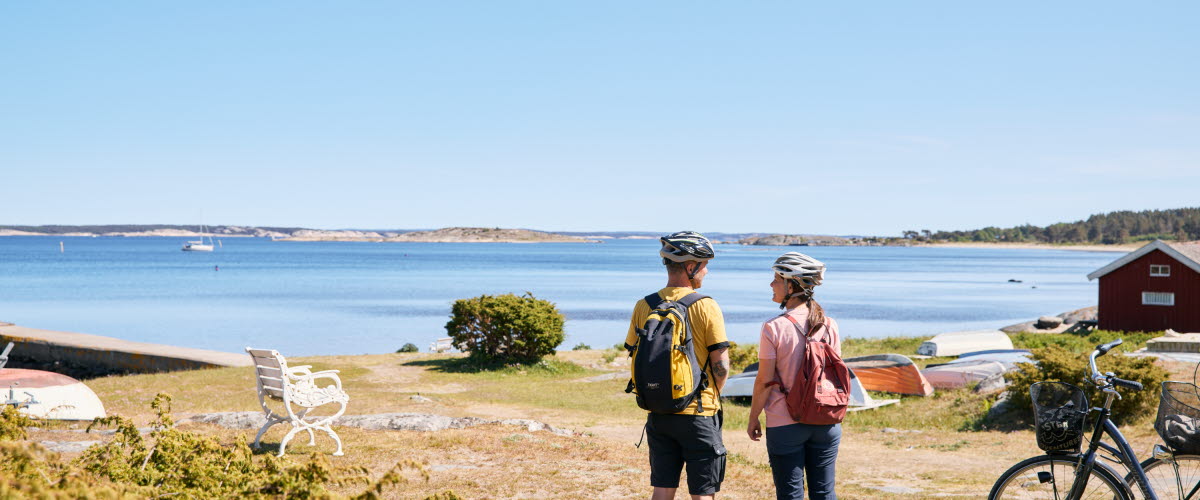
{"x": 821, "y": 391}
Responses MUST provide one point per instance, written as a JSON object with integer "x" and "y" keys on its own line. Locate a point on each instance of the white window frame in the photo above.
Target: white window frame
{"x": 1158, "y": 298}
{"x": 1162, "y": 270}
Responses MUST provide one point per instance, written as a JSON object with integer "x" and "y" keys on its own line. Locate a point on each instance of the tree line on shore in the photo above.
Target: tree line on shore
{"x": 1180, "y": 224}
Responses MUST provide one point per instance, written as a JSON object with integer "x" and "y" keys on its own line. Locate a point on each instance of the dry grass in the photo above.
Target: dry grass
{"x": 918, "y": 446}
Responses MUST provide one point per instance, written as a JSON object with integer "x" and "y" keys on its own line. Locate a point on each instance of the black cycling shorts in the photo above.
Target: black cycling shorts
{"x": 691, "y": 440}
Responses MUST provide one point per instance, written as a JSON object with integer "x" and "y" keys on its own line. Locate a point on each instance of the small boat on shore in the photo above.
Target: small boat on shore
{"x": 43, "y": 394}
{"x": 975, "y": 367}
{"x": 957, "y": 343}
{"x": 894, "y": 373}
{"x": 48, "y": 395}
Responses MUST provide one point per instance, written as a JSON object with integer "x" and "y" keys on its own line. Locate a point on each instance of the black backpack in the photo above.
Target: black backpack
{"x": 665, "y": 374}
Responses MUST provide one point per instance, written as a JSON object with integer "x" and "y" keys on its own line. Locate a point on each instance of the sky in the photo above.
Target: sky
{"x": 759, "y": 116}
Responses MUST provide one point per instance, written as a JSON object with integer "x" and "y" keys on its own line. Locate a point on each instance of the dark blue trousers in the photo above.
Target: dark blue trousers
{"x": 798, "y": 450}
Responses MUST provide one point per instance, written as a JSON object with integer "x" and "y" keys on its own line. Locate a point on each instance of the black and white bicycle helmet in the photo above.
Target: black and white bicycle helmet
{"x": 809, "y": 272}
{"x": 686, "y": 246}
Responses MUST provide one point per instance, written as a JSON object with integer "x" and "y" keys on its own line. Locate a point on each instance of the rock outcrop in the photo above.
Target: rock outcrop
{"x": 379, "y": 422}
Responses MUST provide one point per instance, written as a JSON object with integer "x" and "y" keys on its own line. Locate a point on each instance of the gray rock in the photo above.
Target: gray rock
{"x": 420, "y": 399}
{"x": 1085, "y": 314}
{"x": 1048, "y": 322}
{"x": 384, "y": 421}
{"x": 231, "y": 419}
{"x": 68, "y": 446}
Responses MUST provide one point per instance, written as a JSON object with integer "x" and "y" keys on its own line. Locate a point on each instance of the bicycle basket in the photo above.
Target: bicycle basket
{"x": 1178, "y": 420}
{"x": 1059, "y": 412}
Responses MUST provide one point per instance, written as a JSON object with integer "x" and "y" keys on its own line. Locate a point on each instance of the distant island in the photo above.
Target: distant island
{"x": 445, "y": 235}
{"x": 1110, "y": 231}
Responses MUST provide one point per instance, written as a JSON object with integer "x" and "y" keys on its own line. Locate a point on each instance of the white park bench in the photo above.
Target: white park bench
{"x": 442, "y": 345}
{"x": 296, "y": 387}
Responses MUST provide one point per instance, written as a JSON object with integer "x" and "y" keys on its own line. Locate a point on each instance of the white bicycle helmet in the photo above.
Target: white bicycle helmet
{"x": 809, "y": 272}
{"x": 686, "y": 246}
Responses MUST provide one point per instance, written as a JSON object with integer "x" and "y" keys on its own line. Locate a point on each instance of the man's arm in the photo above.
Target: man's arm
{"x": 719, "y": 360}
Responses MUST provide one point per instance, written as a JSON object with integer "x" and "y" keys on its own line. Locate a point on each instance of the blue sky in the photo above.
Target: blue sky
{"x": 735, "y": 116}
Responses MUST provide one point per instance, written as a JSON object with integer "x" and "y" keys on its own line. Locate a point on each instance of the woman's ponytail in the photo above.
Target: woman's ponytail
{"x": 816, "y": 316}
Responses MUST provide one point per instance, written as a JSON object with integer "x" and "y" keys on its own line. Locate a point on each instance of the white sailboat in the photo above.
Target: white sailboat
{"x": 199, "y": 246}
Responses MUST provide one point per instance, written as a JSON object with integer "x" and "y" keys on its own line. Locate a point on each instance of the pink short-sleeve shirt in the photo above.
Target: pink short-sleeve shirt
{"x": 781, "y": 342}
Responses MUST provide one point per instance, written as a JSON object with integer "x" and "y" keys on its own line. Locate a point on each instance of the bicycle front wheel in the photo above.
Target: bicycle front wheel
{"x": 1172, "y": 478}
{"x": 1049, "y": 477}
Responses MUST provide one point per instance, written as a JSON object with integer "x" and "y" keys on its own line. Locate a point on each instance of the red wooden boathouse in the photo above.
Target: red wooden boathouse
{"x": 1153, "y": 288}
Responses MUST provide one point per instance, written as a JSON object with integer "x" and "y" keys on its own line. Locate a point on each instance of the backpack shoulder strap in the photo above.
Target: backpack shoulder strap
{"x": 653, "y": 300}
{"x": 800, "y": 330}
{"x": 692, "y": 298}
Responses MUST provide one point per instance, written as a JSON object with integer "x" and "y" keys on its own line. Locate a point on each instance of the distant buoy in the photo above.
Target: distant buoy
{"x": 216, "y": 268}
{"x": 61, "y": 248}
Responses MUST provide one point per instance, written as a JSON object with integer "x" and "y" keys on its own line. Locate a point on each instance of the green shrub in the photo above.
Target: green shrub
{"x": 1082, "y": 342}
{"x": 409, "y": 347}
{"x": 581, "y": 347}
{"x": 13, "y": 423}
{"x": 171, "y": 463}
{"x": 741, "y": 356}
{"x": 506, "y": 328}
{"x": 1059, "y": 364}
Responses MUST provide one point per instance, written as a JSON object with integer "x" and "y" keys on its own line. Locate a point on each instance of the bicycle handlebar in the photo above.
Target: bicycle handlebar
{"x": 1106, "y": 347}
{"x": 1127, "y": 384}
{"x": 1104, "y": 379}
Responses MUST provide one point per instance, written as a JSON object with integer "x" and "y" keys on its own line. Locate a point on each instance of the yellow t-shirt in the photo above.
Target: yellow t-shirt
{"x": 708, "y": 332}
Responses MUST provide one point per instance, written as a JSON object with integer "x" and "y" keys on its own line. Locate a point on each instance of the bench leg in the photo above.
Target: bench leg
{"x": 288, "y": 437}
{"x": 335, "y": 437}
{"x": 271, "y": 420}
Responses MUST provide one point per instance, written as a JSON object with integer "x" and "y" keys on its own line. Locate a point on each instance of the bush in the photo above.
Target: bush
{"x": 169, "y": 462}
{"x": 1057, "y": 363}
{"x": 581, "y": 347}
{"x": 741, "y": 356}
{"x": 1082, "y": 342}
{"x": 409, "y": 347}
{"x": 13, "y": 423}
{"x": 506, "y": 328}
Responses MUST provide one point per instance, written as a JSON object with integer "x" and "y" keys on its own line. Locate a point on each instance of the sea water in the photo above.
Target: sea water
{"x": 308, "y": 298}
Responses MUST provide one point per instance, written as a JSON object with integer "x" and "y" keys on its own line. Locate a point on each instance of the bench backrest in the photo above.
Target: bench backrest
{"x": 4, "y": 355}
{"x": 269, "y": 370}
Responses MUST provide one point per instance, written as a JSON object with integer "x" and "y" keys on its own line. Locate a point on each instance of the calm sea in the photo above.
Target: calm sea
{"x": 352, "y": 298}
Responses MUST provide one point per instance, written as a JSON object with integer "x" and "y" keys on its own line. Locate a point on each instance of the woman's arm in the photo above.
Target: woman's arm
{"x": 766, "y": 374}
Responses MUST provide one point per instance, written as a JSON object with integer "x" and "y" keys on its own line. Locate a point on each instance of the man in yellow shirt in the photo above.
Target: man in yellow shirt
{"x": 691, "y": 437}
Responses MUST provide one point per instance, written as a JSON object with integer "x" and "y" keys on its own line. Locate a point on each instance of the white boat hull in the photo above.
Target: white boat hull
{"x": 50, "y": 395}
{"x": 197, "y": 248}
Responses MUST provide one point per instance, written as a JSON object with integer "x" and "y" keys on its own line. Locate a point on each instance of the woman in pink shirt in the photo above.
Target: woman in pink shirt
{"x": 794, "y": 448}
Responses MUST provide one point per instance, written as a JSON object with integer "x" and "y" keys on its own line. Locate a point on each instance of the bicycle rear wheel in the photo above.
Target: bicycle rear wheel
{"x": 1175, "y": 479}
{"x": 1050, "y": 476}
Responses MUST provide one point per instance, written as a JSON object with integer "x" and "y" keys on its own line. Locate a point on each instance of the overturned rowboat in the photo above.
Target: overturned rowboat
{"x": 985, "y": 368}
{"x": 49, "y": 395}
{"x": 958, "y": 343}
{"x": 893, "y": 373}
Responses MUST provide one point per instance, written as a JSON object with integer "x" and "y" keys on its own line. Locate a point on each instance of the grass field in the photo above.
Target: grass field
{"x": 920, "y": 448}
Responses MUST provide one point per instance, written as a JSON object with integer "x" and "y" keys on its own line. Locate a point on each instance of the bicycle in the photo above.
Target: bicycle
{"x": 1067, "y": 474}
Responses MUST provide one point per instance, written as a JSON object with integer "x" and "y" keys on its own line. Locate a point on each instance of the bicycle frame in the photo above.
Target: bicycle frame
{"x": 1123, "y": 451}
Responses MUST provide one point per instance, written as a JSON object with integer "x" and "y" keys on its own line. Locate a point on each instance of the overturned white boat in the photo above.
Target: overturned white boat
{"x": 984, "y": 368}
{"x": 956, "y": 343}
{"x": 49, "y": 395}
